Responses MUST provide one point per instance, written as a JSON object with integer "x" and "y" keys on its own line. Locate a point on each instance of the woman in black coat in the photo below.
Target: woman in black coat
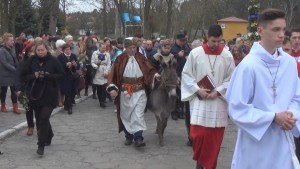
{"x": 68, "y": 86}
{"x": 44, "y": 73}
{"x": 22, "y": 85}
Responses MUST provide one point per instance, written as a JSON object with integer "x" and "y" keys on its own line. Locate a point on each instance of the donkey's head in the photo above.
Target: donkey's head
{"x": 169, "y": 77}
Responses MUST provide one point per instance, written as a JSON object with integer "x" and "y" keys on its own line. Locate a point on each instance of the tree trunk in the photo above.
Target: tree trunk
{"x": 14, "y": 6}
{"x": 64, "y": 11}
{"x": 147, "y": 17}
{"x": 54, "y": 11}
{"x": 120, "y": 7}
{"x": 105, "y": 31}
{"x": 169, "y": 18}
{"x": 5, "y": 16}
{"x": 40, "y": 24}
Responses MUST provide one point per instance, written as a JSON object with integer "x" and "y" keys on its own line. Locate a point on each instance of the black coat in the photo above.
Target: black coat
{"x": 69, "y": 85}
{"x": 44, "y": 90}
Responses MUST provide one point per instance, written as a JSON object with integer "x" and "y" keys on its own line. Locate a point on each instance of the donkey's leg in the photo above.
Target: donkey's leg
{"x": 157, "y": 125}
{"x": 161, "y": 129}
{"x": 164, "y": 124}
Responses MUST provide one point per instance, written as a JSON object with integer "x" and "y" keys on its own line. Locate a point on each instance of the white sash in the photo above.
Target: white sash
{"x": 290, "y": 139}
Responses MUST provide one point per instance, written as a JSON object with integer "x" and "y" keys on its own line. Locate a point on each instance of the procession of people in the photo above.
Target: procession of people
{"x": 253, "y": 84}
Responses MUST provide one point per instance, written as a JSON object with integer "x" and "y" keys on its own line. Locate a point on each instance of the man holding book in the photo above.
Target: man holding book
{"x": 208, "y": 66}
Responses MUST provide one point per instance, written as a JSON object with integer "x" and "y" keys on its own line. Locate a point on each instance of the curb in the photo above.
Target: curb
{"x": 22, "y": 125}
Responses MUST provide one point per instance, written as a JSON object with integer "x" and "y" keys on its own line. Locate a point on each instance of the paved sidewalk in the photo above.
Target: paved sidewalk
{"x": 88, "y": 139}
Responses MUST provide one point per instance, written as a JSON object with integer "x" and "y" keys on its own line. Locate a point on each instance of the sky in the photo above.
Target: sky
{"x": 80, "y": 6}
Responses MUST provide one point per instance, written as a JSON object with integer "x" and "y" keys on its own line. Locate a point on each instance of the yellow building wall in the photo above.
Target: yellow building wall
{"x": 233, "y": 28}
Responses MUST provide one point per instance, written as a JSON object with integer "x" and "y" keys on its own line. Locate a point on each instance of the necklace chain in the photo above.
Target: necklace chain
{"x": 274, "y": 87}
{"x": 212, "y": 67}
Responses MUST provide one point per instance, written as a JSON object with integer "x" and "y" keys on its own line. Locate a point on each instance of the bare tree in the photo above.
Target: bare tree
{"x": 169, "y": 17}
{"x": 53, "y": 14}
{"x": 289, "y": 7}
{"x": 147, "y": 17}
{"x": 4, "y": 15}
{"x": 120, "y": 4}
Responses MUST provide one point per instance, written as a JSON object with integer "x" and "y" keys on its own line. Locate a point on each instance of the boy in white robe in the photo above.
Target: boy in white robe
{"x": 263, "y": 98}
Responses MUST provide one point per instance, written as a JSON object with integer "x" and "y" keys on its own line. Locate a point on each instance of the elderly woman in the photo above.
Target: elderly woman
{"x": 8, "y": 64}
{"x": 101, "y": 63}
{"x": 44, "y": 71}
{"x": 68, "y": 86}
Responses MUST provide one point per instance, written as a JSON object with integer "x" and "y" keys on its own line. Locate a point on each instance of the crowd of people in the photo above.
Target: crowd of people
{"x": 50, "y": 71}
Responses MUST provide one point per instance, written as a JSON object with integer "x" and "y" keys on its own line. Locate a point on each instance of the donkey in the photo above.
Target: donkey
{"x": 162, "y": 100}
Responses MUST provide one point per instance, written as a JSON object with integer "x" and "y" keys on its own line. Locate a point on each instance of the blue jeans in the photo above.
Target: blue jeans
{"x": 136, "y": 136}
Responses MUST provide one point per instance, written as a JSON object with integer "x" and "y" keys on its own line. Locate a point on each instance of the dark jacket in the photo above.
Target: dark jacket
{"x": 44, "y": 90}
{"x": 116, "y": 75}
{"x": 69, "y": 85}
{"x": 89, "y": 53}
{"x": 180, "y": 61}
{"x": 150, "y": 53}
{"x": 8, "y": 64}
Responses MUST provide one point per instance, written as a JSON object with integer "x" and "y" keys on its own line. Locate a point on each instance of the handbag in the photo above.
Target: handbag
{"x": 81, "y": 83}
{"x": 37, "y": 89}
{"x": 75, "y": 75}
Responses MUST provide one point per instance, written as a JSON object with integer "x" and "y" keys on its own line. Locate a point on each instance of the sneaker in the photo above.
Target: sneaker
{"x": 139, "y": 143}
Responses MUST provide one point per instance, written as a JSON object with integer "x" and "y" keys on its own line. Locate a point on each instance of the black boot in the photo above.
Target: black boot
{"x": 174, "y": 115}
{"x": 70, "y": 111}
{"x": 40, "y": 150}
{"x": 102, "y": 104}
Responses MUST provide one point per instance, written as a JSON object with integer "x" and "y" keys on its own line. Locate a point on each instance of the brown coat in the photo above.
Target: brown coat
{"x": 116, "y": 75}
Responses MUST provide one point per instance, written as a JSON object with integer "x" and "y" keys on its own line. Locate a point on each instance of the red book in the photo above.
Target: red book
{"x": 206, "y": 83}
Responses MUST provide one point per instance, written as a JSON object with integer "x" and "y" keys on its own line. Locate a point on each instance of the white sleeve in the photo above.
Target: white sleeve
{"x": 242, "y": 112}
{"x": 189, "y": 85}
{"x": 94, "y": 59}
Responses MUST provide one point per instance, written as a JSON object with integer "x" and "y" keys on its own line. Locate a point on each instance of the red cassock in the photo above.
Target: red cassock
{"x": 206, "y": 145}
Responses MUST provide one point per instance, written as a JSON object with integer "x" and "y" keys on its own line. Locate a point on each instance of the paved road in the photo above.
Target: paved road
{"x": 88, "y": 139}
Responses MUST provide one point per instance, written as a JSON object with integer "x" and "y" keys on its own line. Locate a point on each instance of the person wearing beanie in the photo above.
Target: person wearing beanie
{"x": 129, "y": 82}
